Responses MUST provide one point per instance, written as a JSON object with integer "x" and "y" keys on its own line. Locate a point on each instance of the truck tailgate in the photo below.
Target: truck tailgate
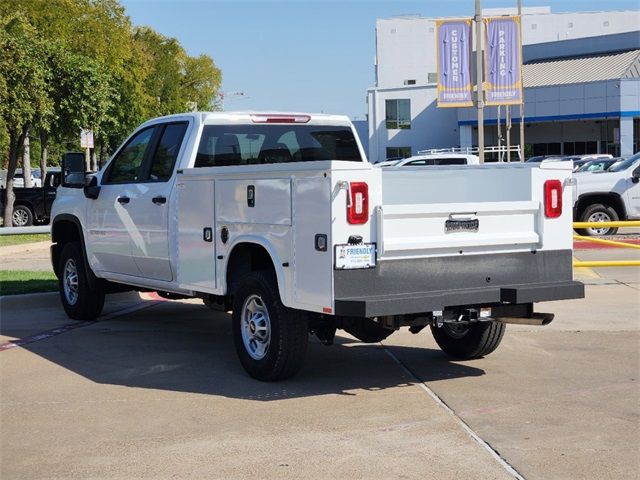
{"x": 449, "y": 211}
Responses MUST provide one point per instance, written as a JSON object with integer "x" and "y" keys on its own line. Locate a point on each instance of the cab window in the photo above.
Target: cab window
{"x": 166, "y": 153}
{"x": 127, "y": 164}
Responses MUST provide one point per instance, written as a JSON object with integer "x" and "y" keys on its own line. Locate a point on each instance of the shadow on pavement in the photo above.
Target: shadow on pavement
{"x": 187, "y": 348}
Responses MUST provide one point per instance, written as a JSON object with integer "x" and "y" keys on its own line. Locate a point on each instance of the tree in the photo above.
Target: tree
{"x": 92, "y": 69}
{"x": 81, "y": 94}
{"x": 25, "y": 99}
{"x": 201, "y": 81}
{"x": 175, "y": 78}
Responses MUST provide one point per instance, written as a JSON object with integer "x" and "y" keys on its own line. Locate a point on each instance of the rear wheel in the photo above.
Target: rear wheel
{"x": 468, "y": 341}
{"x": 271, "y": 340}
{"x": 598, "y": 213}
{"x": 22, "y": 216}
{"x": 79, "y": 300}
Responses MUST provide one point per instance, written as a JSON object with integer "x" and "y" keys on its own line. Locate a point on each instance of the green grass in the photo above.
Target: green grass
{"x": 28, "y": 238}
{"x": 13, "y": 282}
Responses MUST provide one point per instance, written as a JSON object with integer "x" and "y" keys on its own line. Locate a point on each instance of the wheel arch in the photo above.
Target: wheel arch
{"x": 249, "y": 254}
{"x": 610, "y": 199}
{"x": 67, "y": 228}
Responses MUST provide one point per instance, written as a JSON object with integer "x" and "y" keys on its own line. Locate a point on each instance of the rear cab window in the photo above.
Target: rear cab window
{"x": 228, "y": 145}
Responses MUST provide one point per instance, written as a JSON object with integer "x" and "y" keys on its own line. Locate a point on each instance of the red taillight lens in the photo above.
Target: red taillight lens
{"x": 358, "y": 207}
{"x": 552, "y": 198}
{"x": 279, "y": 118}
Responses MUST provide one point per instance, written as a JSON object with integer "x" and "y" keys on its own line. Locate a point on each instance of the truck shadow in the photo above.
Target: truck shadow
{"x": 187, "y": 348}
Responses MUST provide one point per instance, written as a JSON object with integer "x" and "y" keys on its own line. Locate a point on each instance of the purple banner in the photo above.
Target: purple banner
{"x": 454, "y": 63}
{"x": 503, "y": 61}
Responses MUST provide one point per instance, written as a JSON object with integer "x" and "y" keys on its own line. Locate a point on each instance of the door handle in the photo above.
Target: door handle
{"x": 159, "y": 200}
{"x": 123, "y": 200}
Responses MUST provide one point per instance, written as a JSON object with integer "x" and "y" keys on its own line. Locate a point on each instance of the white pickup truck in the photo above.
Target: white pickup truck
{"x": 608, "y": 196}
{"x": 281, "y": 219}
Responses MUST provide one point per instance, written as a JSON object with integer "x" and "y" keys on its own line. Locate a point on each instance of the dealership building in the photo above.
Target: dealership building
{"x": 581, "y": 77}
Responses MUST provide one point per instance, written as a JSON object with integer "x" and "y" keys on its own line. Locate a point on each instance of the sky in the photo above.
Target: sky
{"x": 303, "y": 55}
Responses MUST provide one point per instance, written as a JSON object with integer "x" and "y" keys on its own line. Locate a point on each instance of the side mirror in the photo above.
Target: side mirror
{"x": 73, "y": 171}
{"x": 91, "y": 187}
{"x": 635, "y": 175}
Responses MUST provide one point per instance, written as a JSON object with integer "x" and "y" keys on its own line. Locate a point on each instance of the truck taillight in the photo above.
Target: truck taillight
{"x": 279, "y": 118}
{"x": 358, "y": 206}
{"x": 552, "y": 198}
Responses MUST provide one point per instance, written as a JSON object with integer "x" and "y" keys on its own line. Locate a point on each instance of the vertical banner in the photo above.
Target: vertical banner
{"x": 502, "y": 61}
{"x": 453, "y": 38}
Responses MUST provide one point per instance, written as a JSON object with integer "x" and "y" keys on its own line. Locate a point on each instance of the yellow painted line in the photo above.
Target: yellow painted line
{"x": 584, "y": 271}
{"x": 607, "y": 263}
{"x": 622, "y": 224}
{"x": 606, "y": 242}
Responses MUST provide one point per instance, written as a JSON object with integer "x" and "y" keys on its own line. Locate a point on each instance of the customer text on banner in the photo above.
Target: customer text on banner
{"x": 453, "y": 38}
{"x": 503, "y": 61}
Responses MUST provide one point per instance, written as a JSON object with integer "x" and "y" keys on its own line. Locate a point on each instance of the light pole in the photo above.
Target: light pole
{"x": 522, "y": 94}
{"x": 479, "y": 81}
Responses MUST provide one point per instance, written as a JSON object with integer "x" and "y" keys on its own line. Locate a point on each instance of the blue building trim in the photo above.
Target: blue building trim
{"x": 551, "y": 118}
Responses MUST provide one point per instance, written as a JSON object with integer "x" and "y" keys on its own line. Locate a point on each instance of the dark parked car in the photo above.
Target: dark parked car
{"x": 32, "y": 205}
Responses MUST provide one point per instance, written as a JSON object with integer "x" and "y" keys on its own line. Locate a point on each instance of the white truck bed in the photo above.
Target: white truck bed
{"x": 416, "y": 259}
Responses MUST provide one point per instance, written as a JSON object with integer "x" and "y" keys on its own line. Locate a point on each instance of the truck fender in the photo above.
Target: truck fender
{"x": 611, "y": 199}
{"x": 56, "y": 246}
{"x": 271, "y": 251}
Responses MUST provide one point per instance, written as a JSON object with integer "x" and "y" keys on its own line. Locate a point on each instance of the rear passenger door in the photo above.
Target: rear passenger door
{"x": 151, "y": 199}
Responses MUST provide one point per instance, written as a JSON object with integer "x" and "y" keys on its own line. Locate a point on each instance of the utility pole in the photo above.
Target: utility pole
{"x": 522, "y": 95}
{"x": 479, "y": 81}
{"x": 508, "y": 128}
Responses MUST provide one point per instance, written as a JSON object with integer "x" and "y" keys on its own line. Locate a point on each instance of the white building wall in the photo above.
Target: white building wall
{"x": 431, "y": 127}
{"x": 406, "y": 46}
{"x": 406, "y": 50}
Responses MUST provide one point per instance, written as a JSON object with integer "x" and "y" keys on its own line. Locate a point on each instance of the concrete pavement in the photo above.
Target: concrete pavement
{"x": 26, "y": 256}
{"x": 154, "y": 390}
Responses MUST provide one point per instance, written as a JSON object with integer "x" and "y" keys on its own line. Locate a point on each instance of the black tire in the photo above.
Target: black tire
{"x": 601, "y": 212}
{"x": 22, "y": 216}
{"x": 88, "y": 301}
{"x": 286, "y": 348}
{"x": 468, "y": 342}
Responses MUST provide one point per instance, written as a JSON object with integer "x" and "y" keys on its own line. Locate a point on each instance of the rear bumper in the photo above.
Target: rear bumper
{"x": 400, "y": 287}
{"x": 411, "y": 303}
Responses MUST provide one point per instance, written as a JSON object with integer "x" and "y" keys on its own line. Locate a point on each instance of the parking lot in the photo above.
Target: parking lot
{"x": 154, "y": 390}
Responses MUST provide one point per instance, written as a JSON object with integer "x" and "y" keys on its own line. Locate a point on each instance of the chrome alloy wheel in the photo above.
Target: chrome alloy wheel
{"x": 20, "y": 217}
{"x": 70, "y": 281}
{"x": 599, "y": 217}
{"x": 255, "y": 327}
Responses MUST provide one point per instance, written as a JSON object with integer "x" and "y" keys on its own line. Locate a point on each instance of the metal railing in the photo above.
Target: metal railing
{"x": 602, "y": 241}
{"x": 501, "y": 150}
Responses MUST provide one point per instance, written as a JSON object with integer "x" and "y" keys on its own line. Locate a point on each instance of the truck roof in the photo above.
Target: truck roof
{"x": 248, "y": 116}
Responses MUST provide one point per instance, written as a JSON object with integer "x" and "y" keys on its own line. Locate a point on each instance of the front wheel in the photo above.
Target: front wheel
{"x": 468, "y": 341}
{"x": 22, "y": 216}
{"x": 79, "y": 300}
{"x": 598, "y": 213}
{"x": 270, "y": 339}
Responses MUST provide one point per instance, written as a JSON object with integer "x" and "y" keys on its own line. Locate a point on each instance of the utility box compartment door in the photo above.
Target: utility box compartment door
{"x": 312, "y": 244}
{"x": 196, "y": 235}
{"x": 261, "y": 201}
